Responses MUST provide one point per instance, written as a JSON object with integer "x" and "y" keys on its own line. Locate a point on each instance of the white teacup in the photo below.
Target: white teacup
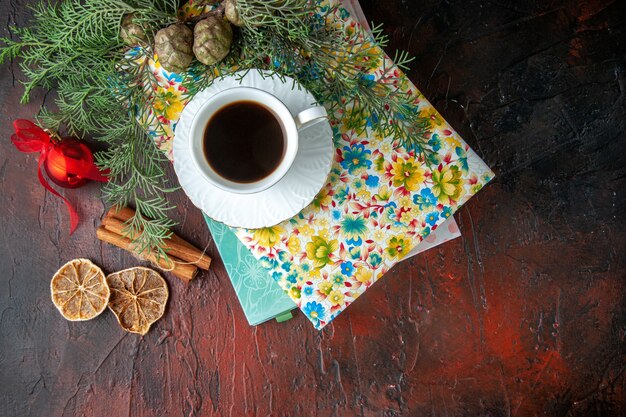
{"x": 289, "y": 123}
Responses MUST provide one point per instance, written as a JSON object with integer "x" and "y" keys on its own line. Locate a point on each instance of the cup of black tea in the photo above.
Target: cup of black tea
{"x": 244, "y": 140}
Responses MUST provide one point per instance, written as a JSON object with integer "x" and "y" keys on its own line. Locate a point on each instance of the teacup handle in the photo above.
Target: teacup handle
{"x": 310, "y": 116}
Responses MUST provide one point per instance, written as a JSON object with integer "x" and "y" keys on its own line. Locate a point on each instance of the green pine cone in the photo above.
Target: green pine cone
{"x": 212, "y": 39}
{"x": 231, "y": 12}
{"x": 173, "y": 45}
{"x": 131, "y": 32}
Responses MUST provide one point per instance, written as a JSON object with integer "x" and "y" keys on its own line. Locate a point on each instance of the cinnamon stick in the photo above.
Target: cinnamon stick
{"x": 174, "y": 245}
{"x": 183, "y": 271}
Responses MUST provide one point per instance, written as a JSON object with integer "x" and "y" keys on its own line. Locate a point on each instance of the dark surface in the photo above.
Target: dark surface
{"x": 523, "y": 316}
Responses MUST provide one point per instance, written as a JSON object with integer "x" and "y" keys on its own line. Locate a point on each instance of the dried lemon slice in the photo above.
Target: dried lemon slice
{"x": 138, "y": 298}
{"x": 79, "y": 290}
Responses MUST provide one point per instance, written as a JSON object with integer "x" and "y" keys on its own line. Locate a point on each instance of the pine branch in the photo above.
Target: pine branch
{"x": 75, "y": 48}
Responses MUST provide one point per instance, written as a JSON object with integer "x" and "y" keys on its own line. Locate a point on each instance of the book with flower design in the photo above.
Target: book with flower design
{"x": 380, "y": 201}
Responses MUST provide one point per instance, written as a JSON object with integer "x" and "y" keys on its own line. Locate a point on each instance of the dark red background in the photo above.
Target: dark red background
{"x": 523, "y": 316}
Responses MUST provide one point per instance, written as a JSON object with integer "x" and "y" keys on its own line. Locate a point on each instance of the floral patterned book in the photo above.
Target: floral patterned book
{"x": 379, "y": 203}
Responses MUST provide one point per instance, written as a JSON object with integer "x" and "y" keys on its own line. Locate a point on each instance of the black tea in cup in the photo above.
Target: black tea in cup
{"x": 244, "y": 142}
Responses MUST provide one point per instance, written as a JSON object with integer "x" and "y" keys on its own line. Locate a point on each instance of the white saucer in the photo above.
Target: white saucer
{"x": 284, "y": 199}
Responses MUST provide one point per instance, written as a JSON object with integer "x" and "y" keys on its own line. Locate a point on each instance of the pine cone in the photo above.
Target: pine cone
{"x": 131, "y": 32}
{"x": 212, "y": 39}
{"x": 173, "y": 45}
{"x": 231, "y": 12}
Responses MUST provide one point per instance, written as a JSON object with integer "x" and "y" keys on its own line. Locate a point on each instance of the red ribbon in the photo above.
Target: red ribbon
{"x": 31, "y": 138}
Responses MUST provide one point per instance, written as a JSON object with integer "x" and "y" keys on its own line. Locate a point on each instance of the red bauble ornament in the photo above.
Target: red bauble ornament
{"x": 68, "y": 162}
{"x": 61, "y": 157}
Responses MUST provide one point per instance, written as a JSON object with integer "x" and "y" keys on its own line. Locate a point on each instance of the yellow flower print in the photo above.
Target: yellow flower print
{"x": 406, "y": 217}
{"x": 325, "y": 287}
{"x": 379, "y": 164}
{"x": 453, "y": 142}
{"x": 314, "y": 273}
{"x": 306, "y": 230}
{"x": 364, "y": 195}
{"x": 386, "y": 148}
{"x": 431, "y": 114}
{"x": 322, "y": 199}
{"x": 293, "y": 244}
{"x": 408, "y": 174}
{"x": 447, "y": 184}
{"x": 294, "y": 292}
{"x": 373, "y": 52}
{"x": 404, "y": 202}
{"x": 398, "y": 246}
{"x": 154, "y": 62}
{"x": 191, "y": 9}
{"x": 268, "y": 236}
{"x": 319, "y": 251}
{"x": 377, "y": 137}
{"x": 336, "y": 298}
{"x": 324, "y": 233}
{"x": 384, "y": 194}
{"x": 322, "y": 222}
{"x": 379, "y": 235}
{"x": 350, "y": 121}
{"x": 168, "y": 103}
{"x": 363, "y": 275}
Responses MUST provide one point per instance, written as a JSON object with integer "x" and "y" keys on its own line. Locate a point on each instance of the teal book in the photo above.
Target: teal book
{"x": 260, "y": 297}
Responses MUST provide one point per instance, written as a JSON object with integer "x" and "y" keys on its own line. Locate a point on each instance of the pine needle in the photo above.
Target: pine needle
{"x": 74, "y": 47}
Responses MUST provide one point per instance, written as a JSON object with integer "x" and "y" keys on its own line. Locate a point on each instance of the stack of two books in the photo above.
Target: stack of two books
{"x": 260, "y": 297}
